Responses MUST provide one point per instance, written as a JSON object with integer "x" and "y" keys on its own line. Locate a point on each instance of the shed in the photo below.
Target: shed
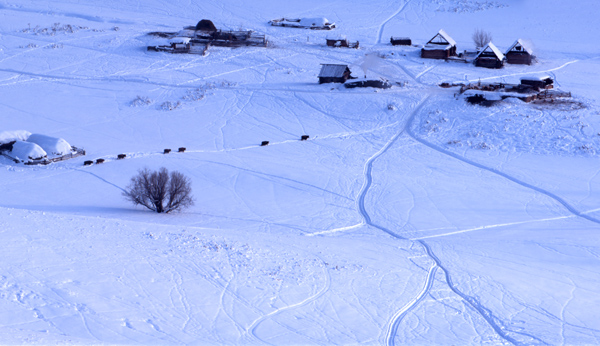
{"x": 341, "y": 41}
{"x": 490, "y": 56}
{"x": 206, "y": 25}
{"x": 538, "y": 82}
{"x": 519, "y": 53}
{"x": 400, "y": 41}
{"x": 441, "y": 46}
{"x": 334, "y": 73}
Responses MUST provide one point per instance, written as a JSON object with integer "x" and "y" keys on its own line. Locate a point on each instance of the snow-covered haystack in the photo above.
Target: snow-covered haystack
{"x": 22, "y": 146}
{"x": 52, "y": 145}
{"x": 11, "y": 136}
{"x": 314, "y": 22}
{"x": 309, "y": 23}
{"x": 27, "y": 151}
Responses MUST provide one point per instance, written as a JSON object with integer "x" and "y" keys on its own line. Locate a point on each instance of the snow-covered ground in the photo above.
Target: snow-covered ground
{"x": 408, "y": 217}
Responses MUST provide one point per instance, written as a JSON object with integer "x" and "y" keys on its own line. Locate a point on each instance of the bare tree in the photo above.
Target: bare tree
{"x": 481, "y": 38}
{"x": 153, "y": 189}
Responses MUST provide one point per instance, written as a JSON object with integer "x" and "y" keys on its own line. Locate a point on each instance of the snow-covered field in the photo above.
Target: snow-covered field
{"x": 408, "y": 217}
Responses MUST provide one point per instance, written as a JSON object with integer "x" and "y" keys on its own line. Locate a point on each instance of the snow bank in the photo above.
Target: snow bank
{"x": 18, "y": 135}
{"x": 52, "y": 145}
{"x": 26, "y": 151}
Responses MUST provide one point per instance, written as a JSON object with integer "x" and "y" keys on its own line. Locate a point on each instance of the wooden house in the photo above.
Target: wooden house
{"x": 400, "y": 41}
{"x": 334, "y": 73}
{"x": 519, "y": 53}
{"x": 490, "y": 56}
{"x": 543, "y": 82}
{"x": 441, "y": 46}
{"x": 341, "y": 41}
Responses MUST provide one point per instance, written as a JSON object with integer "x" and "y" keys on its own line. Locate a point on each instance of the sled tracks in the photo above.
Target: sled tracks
{"x": 485, "y": 313}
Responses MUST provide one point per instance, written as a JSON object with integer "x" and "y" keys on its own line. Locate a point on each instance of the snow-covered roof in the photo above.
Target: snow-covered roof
{"x": 313, "y": 21}
{"x": 445, "y": 39}
{"x": 186, "y": 33}
{"x": 332, "y": 70}
{"x": 52, "y": 145}
{"x": 26, "y": 151}
{"x": 523, "y": 44}
{"x": 9, "y": 136}
{"x": 437, "y": 47}
{"x": 180, "y": 40}
{"x": 491, "y": 48}
{"x": 541, "y": 77}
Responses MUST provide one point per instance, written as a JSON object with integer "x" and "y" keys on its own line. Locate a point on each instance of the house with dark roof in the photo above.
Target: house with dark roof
{"x": 519, "y": 53}
{"x": 334, "y": 73}
{"x": 490, "y": 56}
{"x": 441, "y": 46}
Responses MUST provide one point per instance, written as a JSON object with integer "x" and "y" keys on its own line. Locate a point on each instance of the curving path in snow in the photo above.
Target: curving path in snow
{"x": 382, "y": 26}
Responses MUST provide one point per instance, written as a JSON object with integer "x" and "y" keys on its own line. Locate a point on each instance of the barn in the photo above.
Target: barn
{"x": 334, "y": 73}
{"x": 519, "y": 53}
{"x": 441, "y": 46}
{"x": 400, "y": 41}
{"x": 490, "y": 56}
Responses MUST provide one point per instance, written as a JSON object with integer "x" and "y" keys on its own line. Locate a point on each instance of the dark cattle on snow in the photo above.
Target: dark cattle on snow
{"x": 87, "y": 163}
{"x": 263, "y": 143}
{"x": 99, "y": 161}
{"x": 121, "y": 156}
{"x": 181, "y": 150}
{"x": 304, "y": 137}
{"x": 166, "y": 151}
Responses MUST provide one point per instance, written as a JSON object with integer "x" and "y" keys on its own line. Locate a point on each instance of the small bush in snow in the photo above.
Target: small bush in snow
{"x": 55, "y": 46}
{"x": 140, "y": 101}
{"x": 160, "y": 191}
{"x": 169, "y": 106}
{"x": 194, "y": 95}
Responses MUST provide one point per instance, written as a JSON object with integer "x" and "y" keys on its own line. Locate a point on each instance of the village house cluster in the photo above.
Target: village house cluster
{"x": 442, "y": 46}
